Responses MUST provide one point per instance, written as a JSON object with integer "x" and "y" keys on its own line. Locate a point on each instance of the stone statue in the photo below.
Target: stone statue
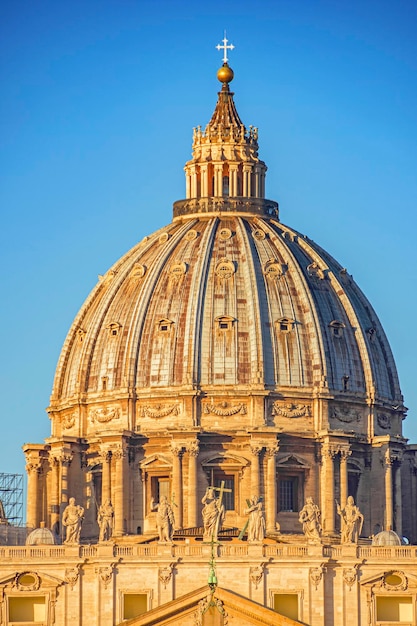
{"x": 105, "y": 520}
{"x": 310, "y": 519}
{"x": 256, "y": 525}
{"x": 351, "y": 520}
{"x": 213, "y": 514}
{"x": 72, "y": 519}
{"x": 164, "y": 519}
{"x": 3, "y": 518}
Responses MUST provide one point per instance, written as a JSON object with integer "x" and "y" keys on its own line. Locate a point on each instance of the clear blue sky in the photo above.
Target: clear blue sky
{"x": 98, "y": 103}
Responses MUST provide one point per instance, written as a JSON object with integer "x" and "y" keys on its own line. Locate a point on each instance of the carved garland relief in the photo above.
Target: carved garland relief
{"x": 225, "y": 409}
{"x": 159, "y": 410}
{"x": 291, "y": 410}
{"x": 104, "y": 415}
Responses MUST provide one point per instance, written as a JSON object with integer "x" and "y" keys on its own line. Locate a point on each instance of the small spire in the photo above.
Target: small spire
{"x": 225, "y": 48}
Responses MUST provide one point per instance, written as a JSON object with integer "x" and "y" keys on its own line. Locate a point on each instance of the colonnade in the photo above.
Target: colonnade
{"x": 115, "y": 480}
{"x": 205, "y": 180}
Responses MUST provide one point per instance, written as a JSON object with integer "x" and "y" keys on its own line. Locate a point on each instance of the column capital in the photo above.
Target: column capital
{"x": 272, "y": 449}
{"x": 104, "y": 455}
{"x": 177, "y": 448}
{"x": 34, "y": 466}
{"x": 345, "y": 453}
{"x": 330, "y": 450}
{"x": 391, "y": 456}
{"x": 193, "y": 448}
{"x": 118, "y": 452}
{"x": 256, "y": 448}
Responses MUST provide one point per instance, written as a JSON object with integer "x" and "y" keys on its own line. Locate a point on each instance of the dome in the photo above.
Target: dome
{"x": 386, "y": 538}
{"x": 41, "y": 536}
{"x": 225, "y": 350}
{"x": 226, "y": 298}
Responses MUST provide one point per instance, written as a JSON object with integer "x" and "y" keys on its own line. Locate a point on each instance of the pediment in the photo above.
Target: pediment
{"x": 391, "y": 580}
{"x": 293, "y": 461}
{"x": 220, "y": 607}
{"x": 30, "y": 580}
{"x": 154, "y": 461}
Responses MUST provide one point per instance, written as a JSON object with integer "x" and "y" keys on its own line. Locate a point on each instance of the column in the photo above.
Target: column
{"x": 388, "y": 491}
{"x": 344, "y": 455}
{"x": 398, "y": 518}
{"x": 105, "y": 457}
{"x": 177, "y": 449}
{"x": 255, "y": 486}
{"x": 257, "y": 176}
{"x": 271, "y": 488}
{"x": 193, "y": 450}
{"x": 233, "y": 180}
{"x": 204, "y": 180}
{"x": 246, "y": 180}
{"x": 66, "y": 459}
{"x": 187, "y": 185}
{"x": 33, "y": 468}
{"x": 54, "y": 463}
{"x": 218, "y": 179}
{"x": 118, "y": 455}
{"x": 193, "y": 181}
{"x": 327, "y": 489}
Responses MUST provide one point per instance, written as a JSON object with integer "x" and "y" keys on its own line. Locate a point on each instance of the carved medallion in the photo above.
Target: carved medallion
{"x": 345, "y": 414}
{"x": 383, "y": 420}
{"x": 224, "y": 409}
{"x": 256, "y": 573}
{"x": 225, "y": 269}
{"x": 71, "y": 575}
{"x": 163, "y": 238}
{"x": 159, "y": 410}
{"x": 105, "y": 574}
{"x": 27, "y": 581}
{"x": 104, "y": 415}
{"x": 291, "y": 410}
{"x": 350, "y": 575}
{"x": 138, "y": 271}
{"x": 68, "y": 420}
{"x": 225, "y": 233}
{"x": 176, "y": 272}
{"x": 316, "y": 574}
{"x": 273, "y": 270}
{"x": 258, "y": 234}
{"x": 191, "y": 235}
{"x": 165, "y": 574}
{"x": 395, "y": 581}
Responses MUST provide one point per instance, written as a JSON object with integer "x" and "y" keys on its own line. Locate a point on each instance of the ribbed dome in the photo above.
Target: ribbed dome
{"x": 386, "y": 538}
{"x": 40, "y": 537}
{"x": 238, "y": 302}
{"x": 226, "y": 299}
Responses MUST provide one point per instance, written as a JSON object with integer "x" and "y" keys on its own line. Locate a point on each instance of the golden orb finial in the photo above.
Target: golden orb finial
{"x": 225, "y": 74}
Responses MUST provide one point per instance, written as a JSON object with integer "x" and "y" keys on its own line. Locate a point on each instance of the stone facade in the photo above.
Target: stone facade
{"x": 224, "y": 350}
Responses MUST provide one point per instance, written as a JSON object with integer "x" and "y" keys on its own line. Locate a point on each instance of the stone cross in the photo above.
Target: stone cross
{"x": 225, "y": 48}
{"x": 221, "y": 491}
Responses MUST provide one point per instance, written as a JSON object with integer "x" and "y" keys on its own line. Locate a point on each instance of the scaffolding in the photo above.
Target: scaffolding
{"x": 11, "y": 496}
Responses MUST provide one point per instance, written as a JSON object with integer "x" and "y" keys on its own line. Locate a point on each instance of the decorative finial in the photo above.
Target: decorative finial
{"x": 225, "y": 48}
